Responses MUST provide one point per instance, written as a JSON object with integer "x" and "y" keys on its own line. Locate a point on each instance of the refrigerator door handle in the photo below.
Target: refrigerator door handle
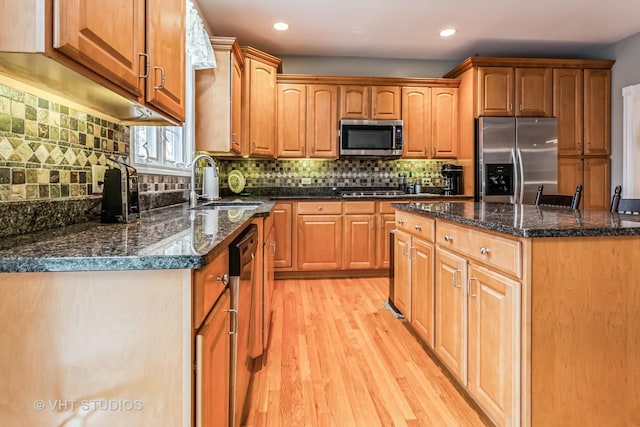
{"x": 516, "y": 183}
{"x": 521, "y": 169}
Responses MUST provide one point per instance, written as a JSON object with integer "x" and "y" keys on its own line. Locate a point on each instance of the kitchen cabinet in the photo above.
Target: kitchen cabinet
{"x": 582, "y": 105}
{"x": 594, "y": 175}
{"x": 402, "y": 273}
{"x": 494, "y": 343}
{"x": 268, "y": 280}
{"x": 450, "y": 311}
{"x": 521, "y": 92}
{"x": 320, "y": 235}
{"x": 307, "y": 121}
{"x": 213, "y": 366}
{"x": 259, "y": 103}
{"x": 430, "y": 117}
{"x": 218, "y": 103}
{"x": 387, "y": 219}
{"x": 125, "y": 58}
{"x": 360, "y": 235}
{"x": 283, "y": 231}
{"x": 370, "y": 102}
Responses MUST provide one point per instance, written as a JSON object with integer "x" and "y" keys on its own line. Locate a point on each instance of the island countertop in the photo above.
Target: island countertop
{"x": 529, "y": 220}
{"x": 174, "y": 237}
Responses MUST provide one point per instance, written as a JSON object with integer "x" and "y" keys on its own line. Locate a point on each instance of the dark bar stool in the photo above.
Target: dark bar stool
{"x": 558, "y": 199}
{"x": 618, "y": 204}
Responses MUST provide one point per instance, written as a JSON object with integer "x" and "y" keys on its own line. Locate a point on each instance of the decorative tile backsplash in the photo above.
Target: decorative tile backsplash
{"x": 331, "y": 173}
{"x": 47, "y": 148}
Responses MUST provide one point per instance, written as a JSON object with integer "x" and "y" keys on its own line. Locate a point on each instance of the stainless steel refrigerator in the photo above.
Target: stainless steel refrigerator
{"x": 514, "y": 156}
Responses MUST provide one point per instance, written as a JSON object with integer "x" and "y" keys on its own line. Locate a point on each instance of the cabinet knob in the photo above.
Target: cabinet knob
{"x": 400, "y": 221}
{"x": 417, "y": 227}
{"x": 224, "y": 279}
{"x": 319, "y": 208}
{"x": 448, "y": 238}
{"x": 484, "y": 251}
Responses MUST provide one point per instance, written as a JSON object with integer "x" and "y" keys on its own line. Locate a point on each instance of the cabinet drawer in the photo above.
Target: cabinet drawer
{"x": 416, "y": 225}
{"x": 359, "y": 207}
{"x": 319, "y": 208}
{"x": 207, "y": 287}
{"x": 495, "y": 251}
{"x": 385, "y": 207}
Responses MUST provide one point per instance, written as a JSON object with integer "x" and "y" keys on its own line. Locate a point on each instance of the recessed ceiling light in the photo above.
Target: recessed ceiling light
{"x": 281, "y": 26}
{"x": 447, "y": 32}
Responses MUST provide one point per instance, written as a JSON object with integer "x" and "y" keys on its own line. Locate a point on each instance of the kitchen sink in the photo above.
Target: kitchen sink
{"x": 229, "y": 205}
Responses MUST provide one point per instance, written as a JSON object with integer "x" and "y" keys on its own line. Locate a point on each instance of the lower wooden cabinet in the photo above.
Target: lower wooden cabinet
{"x": 494, "y": 344}
{"x": 402, "y": 273}
{"x": 283, "y": 220}
{"x": 450, "y": 311}
{"x": 594, "y": 175}
{"x": 319, "y": 242}
{"x": 422, "y": 290}
{"x": 213, "y": 366}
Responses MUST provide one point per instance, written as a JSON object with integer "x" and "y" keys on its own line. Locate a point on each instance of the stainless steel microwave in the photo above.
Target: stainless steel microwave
{"x": 371, "y": 138}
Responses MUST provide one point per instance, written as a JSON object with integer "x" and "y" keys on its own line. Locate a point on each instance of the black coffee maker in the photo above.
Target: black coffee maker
{"x": 452, "y": 179}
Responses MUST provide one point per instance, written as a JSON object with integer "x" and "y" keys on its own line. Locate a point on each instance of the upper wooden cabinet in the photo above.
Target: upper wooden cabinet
{"x": 506, "y": 91}
{"x": 581, "y": 102}
{"x": 369, "y": 102}
{"x": 125, "y": 58}
{"x": 259, "y": 103}
{"x": 307, "y": 121}
{"x": 430, "y": 117}
{"x": 218, "y": 105}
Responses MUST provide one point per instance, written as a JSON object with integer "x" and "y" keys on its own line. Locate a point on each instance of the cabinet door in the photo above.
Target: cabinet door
{"x": 596, "y": 184}
{"x": 87, "y": 31}
{"x": 268, "y": 283}
{"x": 597, "y": 112}
{"x": 213, "y": 367}
{"x": 283, "y": 234}
{"x": 236, "y": 107}
{"x": 322, "y": 121}
{"x": 422, "y": 290}
{"x": 354, "y": 102}
{"x": 534, "y": 92}
{"x": 416, "y": 116}
{"x": 570, "y": 176}
{"x": 494, "y": 342}
{"x": 165, "y": 87}
{"x": 385, "y": 102}
{"x": 319, "y": 242}
{"x": 567, "y": 108}
{"x": 450, "y": 312}
{"x": 292, "y": 107}
{"x": 444, "y": 118}
{"x": 496, "y": 91}
{"x": 402, "y": 273}
{"x": 359, "y": 242}
{"x": 387, "y": 223}
{"x": 261, "y": 107}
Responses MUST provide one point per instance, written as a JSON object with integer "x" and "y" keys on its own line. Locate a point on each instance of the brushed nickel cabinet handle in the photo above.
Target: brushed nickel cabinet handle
{"x": 235, "y": 322}
{"x": 161, "y": 78}
{"x": 469, "y": 287}
{"x": 455, "y": 281}
{"x": 147, "y": 65}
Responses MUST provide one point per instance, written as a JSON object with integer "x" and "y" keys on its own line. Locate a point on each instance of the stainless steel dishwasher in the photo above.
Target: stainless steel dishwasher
{"x": 242, "y": 253}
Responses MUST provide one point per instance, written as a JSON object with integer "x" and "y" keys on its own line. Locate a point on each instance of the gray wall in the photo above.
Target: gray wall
{"x": 626, "y": 71}
{"x": 370, "y": 67}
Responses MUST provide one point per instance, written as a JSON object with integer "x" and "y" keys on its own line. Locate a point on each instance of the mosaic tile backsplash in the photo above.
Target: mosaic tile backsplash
{"x": 47, "y": 148}
{"x": 331, "y": 173}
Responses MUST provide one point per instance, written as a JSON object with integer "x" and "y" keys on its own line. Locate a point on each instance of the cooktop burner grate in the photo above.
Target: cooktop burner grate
{"x": 372, "y": 193}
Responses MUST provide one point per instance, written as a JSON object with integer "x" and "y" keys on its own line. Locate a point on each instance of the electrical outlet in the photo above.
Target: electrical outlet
{"x": 305, "y": 181}
{"x": 97, "y": 178}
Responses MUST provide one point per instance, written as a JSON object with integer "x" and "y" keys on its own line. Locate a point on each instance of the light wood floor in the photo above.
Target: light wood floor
{"x": 337, "y": 357}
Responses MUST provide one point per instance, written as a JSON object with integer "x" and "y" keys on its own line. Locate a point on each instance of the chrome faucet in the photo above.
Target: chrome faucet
{"x": 193, "y": 196}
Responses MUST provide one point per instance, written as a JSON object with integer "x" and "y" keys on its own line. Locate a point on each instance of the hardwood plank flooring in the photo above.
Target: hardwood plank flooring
{"x": 337, "y": 357}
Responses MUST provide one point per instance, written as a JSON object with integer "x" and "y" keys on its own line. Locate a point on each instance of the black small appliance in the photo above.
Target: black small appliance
{"x": 452, "y": 179}
{"x": 120, "y": 194}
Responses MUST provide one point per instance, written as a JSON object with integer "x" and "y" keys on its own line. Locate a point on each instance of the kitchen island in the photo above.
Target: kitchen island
{"x": 534, "y": 311}
{"x": 98, "y": 321}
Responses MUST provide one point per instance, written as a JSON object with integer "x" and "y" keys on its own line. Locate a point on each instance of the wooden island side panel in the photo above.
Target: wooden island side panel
{"x": 585, "y": 331}
{"x": 96, "y": 348}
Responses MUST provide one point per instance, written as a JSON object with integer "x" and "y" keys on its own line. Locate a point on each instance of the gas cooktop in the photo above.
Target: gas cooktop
{"x": 372, "y": 193}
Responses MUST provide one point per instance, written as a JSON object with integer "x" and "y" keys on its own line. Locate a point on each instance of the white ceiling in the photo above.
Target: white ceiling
{"x": 410, "y": 28}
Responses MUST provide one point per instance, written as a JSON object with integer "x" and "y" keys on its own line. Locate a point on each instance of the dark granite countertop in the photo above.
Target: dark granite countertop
{"x": 529, "y": 220}
{"x": 168, "y": 238}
